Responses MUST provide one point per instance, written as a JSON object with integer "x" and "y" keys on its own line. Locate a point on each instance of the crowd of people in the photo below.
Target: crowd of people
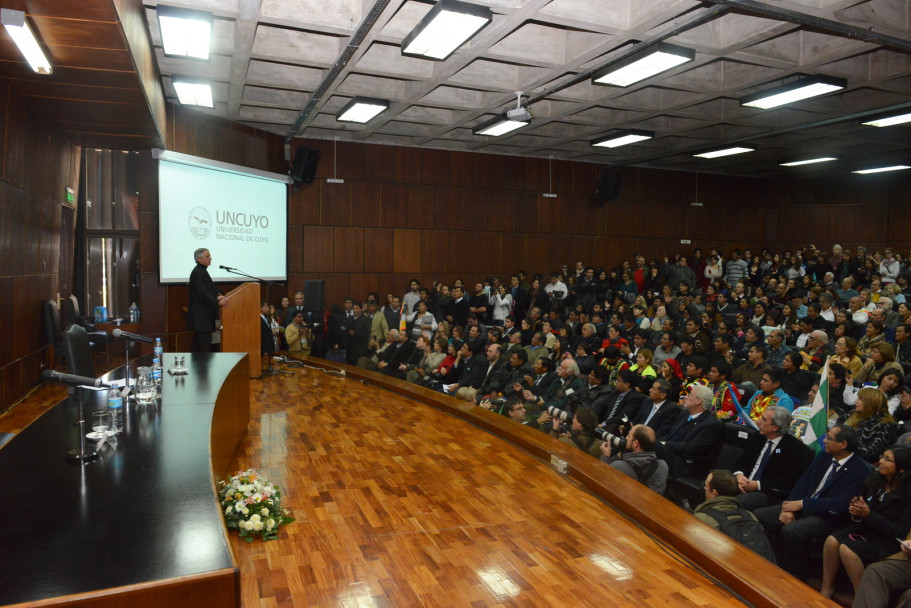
{"x": 641, "y": 365}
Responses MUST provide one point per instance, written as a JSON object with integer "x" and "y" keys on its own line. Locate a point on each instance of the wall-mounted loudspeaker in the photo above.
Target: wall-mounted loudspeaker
{"x": 608, "y": 184}
{"x": 314, "y": 295}
{"x": 303, "y": 169}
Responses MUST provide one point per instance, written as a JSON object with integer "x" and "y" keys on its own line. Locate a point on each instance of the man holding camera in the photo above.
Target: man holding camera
{"x": 581, "y": 432}
{"x": 639, "y": 461}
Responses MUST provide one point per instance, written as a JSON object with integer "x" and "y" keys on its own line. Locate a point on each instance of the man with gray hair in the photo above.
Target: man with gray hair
{"x": 690, "y": 444}
{"x": 205, "y": 299}
{"x": 772, "y": 463}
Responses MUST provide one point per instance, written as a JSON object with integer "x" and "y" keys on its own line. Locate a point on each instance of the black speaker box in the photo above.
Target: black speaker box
{"x": 314, "y": 295}
{"x": 608, "y": 184}
{"x": 303, "y": 169}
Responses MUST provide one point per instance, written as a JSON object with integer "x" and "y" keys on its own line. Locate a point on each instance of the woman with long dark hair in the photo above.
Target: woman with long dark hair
{"x": 875, "y": 427}
{"x": 880, "y": 515}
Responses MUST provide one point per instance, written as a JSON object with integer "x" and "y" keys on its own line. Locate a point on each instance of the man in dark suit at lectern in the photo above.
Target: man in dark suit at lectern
{"x": 204, "y": 302}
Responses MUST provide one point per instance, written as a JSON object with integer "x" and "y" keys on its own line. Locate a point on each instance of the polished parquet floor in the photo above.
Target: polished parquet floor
{"x": 398, "y": 504}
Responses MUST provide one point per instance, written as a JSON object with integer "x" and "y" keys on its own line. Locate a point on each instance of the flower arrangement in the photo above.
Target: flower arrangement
{"x": 252, "y": 505}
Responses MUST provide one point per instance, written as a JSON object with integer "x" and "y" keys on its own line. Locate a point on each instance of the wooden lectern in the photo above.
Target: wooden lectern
{"x": 240, "y": 325}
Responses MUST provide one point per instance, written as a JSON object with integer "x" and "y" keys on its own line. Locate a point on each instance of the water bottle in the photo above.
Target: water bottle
{"x": 158, "y": 350}
{"x": 156, "y": 374}
{"x": 134, "y": 313}
{"x": 115, "y": 407}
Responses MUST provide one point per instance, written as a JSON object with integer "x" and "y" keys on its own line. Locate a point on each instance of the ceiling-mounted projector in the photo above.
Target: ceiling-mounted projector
{"x": 518, "y": 114}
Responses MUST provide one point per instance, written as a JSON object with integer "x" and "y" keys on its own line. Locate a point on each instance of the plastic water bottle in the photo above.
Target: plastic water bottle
{"x": 158, "y": 350}
{"x": 156, "y": 374}
{"x": 134, "y": 313}
{"x": 115, "y": 407}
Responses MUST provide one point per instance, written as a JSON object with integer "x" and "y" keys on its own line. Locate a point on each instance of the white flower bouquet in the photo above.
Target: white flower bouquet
{"x": 253, "y": 506}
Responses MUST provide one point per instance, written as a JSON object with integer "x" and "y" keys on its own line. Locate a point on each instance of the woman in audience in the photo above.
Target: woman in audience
{"x": 882, "y": 359}
{"x": 537, "y": 296}
{"x": 876, "y": 429}
{"x": 846, "y": 355}
{"x": 892, "y": 383}
{"x": 879, "y": 516}
{"x": 643, "y": 367}
{"x": 713, "y": 269}
{"x": 670, "y": 371}
{"x": 842, "y": 394}
{"x": 627, "y": 287}
{"x": 501, "y": 302}
{"x": 874, "y": 336}
{"x": 653, "y": 280}
{"x": 760, "y": 312}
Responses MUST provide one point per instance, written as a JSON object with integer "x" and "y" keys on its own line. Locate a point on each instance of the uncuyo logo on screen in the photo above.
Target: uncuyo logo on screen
{"x": 199, "y": 222}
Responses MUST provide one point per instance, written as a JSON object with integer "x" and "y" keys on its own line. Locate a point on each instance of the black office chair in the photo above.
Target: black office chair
{"x": 78, "y": 351}
{"x": 96, "y": 337}
{"x": 52, "y": 331}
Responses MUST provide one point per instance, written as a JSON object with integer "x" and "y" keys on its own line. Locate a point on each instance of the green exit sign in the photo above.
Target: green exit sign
{"x": 69, "y": 195}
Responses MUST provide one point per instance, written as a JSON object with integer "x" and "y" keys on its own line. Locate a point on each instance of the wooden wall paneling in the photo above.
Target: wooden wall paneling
{"x": 871, "y": 224}
{"x": 490, "y": 171}
{"x": 487, "y": 262}
{"x": 360, "y": 284}
{"x": 816, "y": 224}
{"x": 349, "y": 249}
{"x": 754, "y": 225}
{"x": 349, "y": 161}
{"x": 10, "y": 374}
{"x": 514, "y": 172}
{"x": 463, "y": 168}
{"x": 585, "y": 178}
{"x": 394, "y": 205}
{"x": 29, "y": 293}
{"x": 319, "y": 247}
{"x": 337, "y": 287}
{"x": 606, "y": 254}
{"x": 790, "y": 223}
{"x": 177, "y": 298}
{"x": 365, "y": 204}
{"x": 335, "y": 204}
{"x": 27, "y": 244}
{"x": 7, "y": 324}
{"x": 561, "y": 181}
{"x": 295, "y": 283}
{"x": 629, "y": 218}
{"x": 379, "y": 163}
{"x": 476, "y": 209}
{"x": 378, "y": 250}
{"x": 421, "y": 207}
{"x": 461, "y": 247}
{"x": 435, "y": 167}
{"x": 8, "y": 241}
{"x": 148, "y": 242}
{"x": 408, "y": 166}
{"x": 153, "y": 298}
{"x": 295, "y": 248}
{"x": 304, "y": 203}
{"x": 434, "y": 251}
{"x": 525, "y": 214}
{"x": 677, "y": 186}
{"x": 4, "y": 108}
{"x": 549, "y": 215}
{"x": 406, "y": 251}
{"x": 536, "y": 175}
{"x": 538, "y": 255}
{"x": 660, "y": 218}
{"x": 572, "y": 215}
{"x": 500, "y": 206}
{"x": 48, "y": 224}
{"x": 591, "y": 217}
{"x": 450, "y": 214}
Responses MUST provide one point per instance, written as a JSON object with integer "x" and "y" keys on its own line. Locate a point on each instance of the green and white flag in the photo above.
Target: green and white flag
{"x": 819, "y": 413}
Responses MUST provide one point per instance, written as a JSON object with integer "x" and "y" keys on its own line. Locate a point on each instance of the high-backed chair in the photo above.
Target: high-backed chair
{"x": 78, "y": 350}
{"x": 52, "y": 331}
{"x": 95, "y": 337}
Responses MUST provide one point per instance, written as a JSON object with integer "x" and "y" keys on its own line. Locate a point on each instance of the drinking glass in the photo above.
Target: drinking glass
{"x": 101, "y": 422}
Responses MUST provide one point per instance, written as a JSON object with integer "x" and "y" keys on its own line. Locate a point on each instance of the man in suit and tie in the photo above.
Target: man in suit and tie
{"x": 772, "y": 463}
{"x": 692, "y": 440}
{"x": 358, "y": 333}
{"x": 558, "y": 395}
{"x": 659, "y": 411}
{"x": 818, "y": 504}
{"x": 623, "y": 404}
{"x": 293, "y": 310}
{"x": 266, "y": 338}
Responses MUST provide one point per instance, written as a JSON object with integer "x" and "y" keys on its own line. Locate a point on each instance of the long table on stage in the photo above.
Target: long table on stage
{"x": 140, "y": 526}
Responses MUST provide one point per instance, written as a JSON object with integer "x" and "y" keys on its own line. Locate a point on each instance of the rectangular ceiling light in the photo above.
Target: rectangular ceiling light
{"x": 362, "y": 109}
{"x": 193, "y": 92}
{"x": 809, "y": 161}
{"x": 725, "y": 152}
{"x": 622, "y": 138}
{"x": 448, "y": 25}
{"x": 802, "y": 88}
{"x": 498, "y": 126}
{"x": 184, "y": 32}
{"x": 653, "y": 60}
{"x": 888, "y": 121}
{"x": 18, "y": 29}
{"x": 882, "y": 169}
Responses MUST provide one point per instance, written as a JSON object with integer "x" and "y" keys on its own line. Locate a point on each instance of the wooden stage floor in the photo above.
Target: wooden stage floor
{"x": 398, "y": 504}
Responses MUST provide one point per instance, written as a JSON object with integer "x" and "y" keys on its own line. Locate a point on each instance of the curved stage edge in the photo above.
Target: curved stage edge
{"x": 756, "y": 580}
{"x": 142, "y": 525}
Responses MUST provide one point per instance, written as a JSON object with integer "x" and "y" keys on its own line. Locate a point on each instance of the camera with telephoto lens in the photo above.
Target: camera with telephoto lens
{"x": 562, "y": 415}
{"x": 606, "y": 436}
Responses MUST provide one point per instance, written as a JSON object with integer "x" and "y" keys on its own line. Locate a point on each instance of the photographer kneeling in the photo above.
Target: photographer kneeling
{"x": 639, "y": 460}
{"x": 581, "y": 431}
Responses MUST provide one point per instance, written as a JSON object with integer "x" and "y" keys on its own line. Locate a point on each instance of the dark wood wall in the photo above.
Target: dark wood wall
{"x": 36, "y": 238}
{"x": 409, "y": 212}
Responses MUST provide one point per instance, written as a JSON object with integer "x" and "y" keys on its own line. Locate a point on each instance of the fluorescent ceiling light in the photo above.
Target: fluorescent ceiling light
{"x": 809, "y": 161}
{"x": 185, "y": 33}
{"x": 653, "y": 60}
{"x": 498, "y": 126}
{"x": 194, "y": 92}
{"x": 18, "y": 29}
{"x": 888, "y": 121}
{"x": 725, "y": 152}
{"x": 882, "y": 169}
{"x": 622, "y": 138}
{"x": 362, "y": 109}
{"x": 802, "y": 88}
{"x": 448, "y": 25}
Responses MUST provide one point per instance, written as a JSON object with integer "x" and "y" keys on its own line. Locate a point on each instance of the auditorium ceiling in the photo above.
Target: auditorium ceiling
{"x": 271, "y": 57}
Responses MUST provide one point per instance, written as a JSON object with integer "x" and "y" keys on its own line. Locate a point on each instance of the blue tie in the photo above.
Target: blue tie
{"x": 764, "y": 460}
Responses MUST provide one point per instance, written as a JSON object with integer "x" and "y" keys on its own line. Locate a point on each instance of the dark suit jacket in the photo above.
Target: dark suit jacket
{"x": 540, "y": 388}
{"x": 663, "y": 419}
{"x": 401, "y": 354}
{"x": 203, "y": 307}
{"x": 839, "y": 489}
{"x": 785, "y": 466}
{"x": 265, "y": 336}
{"x": 693, "y": 439}
{"x": 621, "y": 406}
{"x": 474, "y": 370}
{"x": 357, "y": 343}
{"x": 497, "y": 378}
